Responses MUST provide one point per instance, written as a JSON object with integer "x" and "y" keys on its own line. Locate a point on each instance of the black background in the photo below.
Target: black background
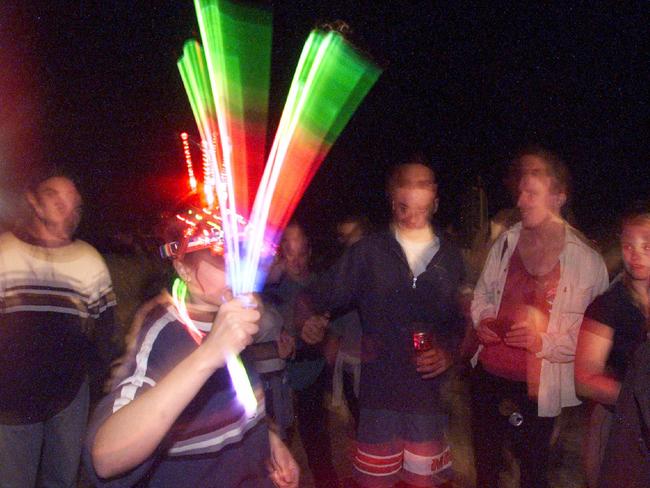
{"x": 92, "y": 87}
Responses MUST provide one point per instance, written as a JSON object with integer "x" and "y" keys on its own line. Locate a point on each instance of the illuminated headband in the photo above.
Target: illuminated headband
{"x": 204, "y": 230}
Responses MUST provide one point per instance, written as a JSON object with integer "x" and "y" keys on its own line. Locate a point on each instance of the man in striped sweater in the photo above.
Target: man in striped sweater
{"x": 56, "y": 325}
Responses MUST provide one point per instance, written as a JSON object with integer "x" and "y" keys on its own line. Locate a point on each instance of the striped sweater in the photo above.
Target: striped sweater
{"x": 212, "y": 443}
{"x": 56, "y": 325}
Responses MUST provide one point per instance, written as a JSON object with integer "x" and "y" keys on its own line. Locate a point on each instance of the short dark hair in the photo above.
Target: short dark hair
{"x": 395, "y": 176}
{"x": 41, "y": 177}
{"x": 556, "y": 169}
{"x": 361, "y": 220}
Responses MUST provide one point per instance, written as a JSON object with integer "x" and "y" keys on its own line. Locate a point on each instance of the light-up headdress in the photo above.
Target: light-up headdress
{"x": 202, "y": 229}
{"x": 227, "y": 79}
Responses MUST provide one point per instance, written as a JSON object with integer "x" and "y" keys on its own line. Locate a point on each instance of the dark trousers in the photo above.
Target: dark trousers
{"x": 312, "y": 426}
{"x": 493, "y": 401}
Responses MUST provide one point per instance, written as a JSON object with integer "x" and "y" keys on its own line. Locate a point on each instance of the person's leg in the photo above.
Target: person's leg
{"x": 379, "y": 454}
{"x": 280, "y": 398}
{"x": 427, "y": 456}
{"x": 532, "y": 446}
{"x": 489, "y": 428}
{"x": 312, "y": 426}
{"x": 62, "y": 440}
{"x": 20, "y": 454}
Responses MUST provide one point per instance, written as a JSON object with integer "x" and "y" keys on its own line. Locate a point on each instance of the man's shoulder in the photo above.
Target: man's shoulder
{"x": 8, "y": 240}
{"x": 370, "y": 244}
{"x": 84, "y": 251}
{"x": 507, "y": 239}
{"x": 582, "y": 244}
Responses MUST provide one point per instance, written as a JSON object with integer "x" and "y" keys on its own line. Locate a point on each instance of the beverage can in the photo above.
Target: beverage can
{"x": 422, "y": 341}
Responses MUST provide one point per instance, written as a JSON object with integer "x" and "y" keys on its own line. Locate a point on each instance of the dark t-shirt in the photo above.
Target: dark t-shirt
{"x": 615, "y": 309}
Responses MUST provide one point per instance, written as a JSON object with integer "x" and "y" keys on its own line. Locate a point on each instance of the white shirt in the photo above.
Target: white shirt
{"x": 583, "y": 276}
{"x": 418, "y": 254}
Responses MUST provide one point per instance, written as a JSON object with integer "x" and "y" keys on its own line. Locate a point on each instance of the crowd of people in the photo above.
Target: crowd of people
{"x": 536, "y": 328}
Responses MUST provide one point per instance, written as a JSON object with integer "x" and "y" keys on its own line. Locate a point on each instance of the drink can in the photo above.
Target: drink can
{"x": 422, "y": 341}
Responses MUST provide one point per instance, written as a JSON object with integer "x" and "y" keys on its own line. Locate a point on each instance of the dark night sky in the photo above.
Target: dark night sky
{"x": 94, "y": 89}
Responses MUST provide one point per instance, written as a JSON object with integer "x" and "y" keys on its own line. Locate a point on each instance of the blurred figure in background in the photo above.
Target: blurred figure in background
{"x": 306, "y": 370}
{"x": 272, "y": 345}
{"x": 614, "y": 325}
{"x": 56, "y": 329}
{"x": 538, "y": 279}
{"x": 351, "y": 229}
{"x": 345, "y": 332}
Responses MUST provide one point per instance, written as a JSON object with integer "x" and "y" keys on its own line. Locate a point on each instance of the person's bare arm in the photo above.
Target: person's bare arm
{"x": 131, "y": 434}
{"x": 594, "y": 346}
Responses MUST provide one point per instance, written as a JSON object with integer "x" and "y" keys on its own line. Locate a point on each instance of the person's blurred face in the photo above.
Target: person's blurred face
{"x": 295, "y": 250}
{"x": 537, "y": 203}
{"x": 349, "y": 233}
{"x": 57, "y": 205}
{"x": 208, "y": 279}
{"x": 635, "y": 247}
{"x": 532, "y": 165}
{"x": 415, "y": 198}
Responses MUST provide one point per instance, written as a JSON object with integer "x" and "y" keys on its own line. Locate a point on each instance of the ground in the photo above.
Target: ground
{"x": 565, "y": 462}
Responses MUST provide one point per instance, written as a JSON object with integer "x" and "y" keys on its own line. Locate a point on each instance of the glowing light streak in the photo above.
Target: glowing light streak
{"x": 330, "y": 81}
{"x": 179, "y": 294}
{"x": 242, "y": 384}
{"x": 194, "y": 73}
{"x": 208, "y": 178}
{"x": 236, "y": 369}
{"x": 239, "y": 79}
{"x": 227, "y": 84}
{"x": 188, "y": 161}
{"x": 276, "y": 157}
{"x": 237, "y": 42}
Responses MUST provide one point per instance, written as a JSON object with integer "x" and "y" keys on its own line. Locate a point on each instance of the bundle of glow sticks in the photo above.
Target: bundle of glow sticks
{"x": 227, "y": 82}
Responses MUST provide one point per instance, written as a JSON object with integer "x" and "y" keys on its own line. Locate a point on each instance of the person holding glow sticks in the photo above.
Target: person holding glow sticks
{"x": 174, "y": 419}
{"x": 404, "y": 283}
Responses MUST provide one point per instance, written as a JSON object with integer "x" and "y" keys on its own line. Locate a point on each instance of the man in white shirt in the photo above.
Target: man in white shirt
{"x": 538, "y": 279}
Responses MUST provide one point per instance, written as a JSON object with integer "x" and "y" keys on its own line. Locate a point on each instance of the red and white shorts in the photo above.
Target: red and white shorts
{"x": 394, "y": 446}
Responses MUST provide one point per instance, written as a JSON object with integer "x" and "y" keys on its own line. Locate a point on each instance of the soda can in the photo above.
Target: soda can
{"x": 422, "y": 341}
